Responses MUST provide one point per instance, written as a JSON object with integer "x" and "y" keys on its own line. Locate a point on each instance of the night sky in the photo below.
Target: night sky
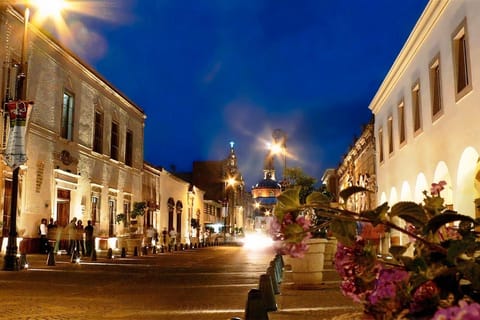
{"x": 207, "y": 72}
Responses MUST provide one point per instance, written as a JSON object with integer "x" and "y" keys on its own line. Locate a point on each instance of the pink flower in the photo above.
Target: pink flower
{"x": 425, "y": 297}
{"x": 390, "y": 290}
{"x": 291, "y": 234}
{"x": 437, "y": 187}
{"x": 464, "y": 311}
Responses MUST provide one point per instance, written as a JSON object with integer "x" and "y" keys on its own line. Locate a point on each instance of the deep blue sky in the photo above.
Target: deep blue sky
{"x": 207, "y": 72}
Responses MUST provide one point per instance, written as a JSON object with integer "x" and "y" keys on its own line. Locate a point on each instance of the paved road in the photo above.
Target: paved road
{"x": 207, "y": 283}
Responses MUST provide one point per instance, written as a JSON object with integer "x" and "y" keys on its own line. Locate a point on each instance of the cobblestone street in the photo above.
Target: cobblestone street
{"x": 207, "y": 283}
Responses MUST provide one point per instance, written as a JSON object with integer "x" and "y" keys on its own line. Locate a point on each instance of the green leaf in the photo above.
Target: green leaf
{"x": 344, "y": 231}
{"x": 317, "y": 198}
{"x": 456, "y": 248}
{"x": 411, "y": 212}
{"x": 471, "y": 272}
{"x": 443, "y": 218}
{"x": 346, "y": 193}
{"x": 289, "y": 200}
{"x": 377, "y": 215}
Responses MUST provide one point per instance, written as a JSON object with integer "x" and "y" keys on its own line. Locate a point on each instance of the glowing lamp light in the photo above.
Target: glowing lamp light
{"x": 49, "y": 8}
{"x": 257, "y": 241}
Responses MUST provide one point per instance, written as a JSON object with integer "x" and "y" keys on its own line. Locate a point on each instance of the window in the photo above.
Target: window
{"x": 66, "y": 130}
{"x": 126, "y": 209}
{"x": 380, "y": 145}
{"x": 129, "y": 148}
{"x": 95, "y": 209}
{"x": 401, "y": 122}
{"x": 435, "y": 88}
{"x": 461, "y": 61}
{"x": 112, "y": 207}
{"x": 390, "y": 135}
{"x": 114, "y": 143}
{"x": 416, "y": 108}
{"x": 98, "y": 133}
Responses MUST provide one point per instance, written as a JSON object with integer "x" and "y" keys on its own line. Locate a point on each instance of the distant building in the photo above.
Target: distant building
{"x": 265, "y": 193}
{"x": 226, "y": 202}
{"x": 358, "y": 169}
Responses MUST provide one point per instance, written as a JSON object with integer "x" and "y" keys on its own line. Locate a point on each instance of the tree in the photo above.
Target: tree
{"x": 295, "y": 177}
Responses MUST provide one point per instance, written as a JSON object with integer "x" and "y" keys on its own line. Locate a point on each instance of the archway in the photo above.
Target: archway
{"x": 179, "y": 209}
{"x": 442, "y": 173}
{"x": 420, "y": 186}
{"x": 171, "y": 208}
{"x": 467, "y": 190}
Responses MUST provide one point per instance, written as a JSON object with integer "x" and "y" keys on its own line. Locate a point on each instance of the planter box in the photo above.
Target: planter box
{"x": 308, "y": 271}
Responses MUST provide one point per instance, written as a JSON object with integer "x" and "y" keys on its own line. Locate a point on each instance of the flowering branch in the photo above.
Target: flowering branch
{"x": 415, "y": 285}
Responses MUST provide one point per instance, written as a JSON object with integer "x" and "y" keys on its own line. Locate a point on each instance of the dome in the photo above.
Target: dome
{"x": 268, "y": 184}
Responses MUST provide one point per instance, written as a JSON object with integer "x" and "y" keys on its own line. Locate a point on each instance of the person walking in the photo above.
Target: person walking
{"x": 79, "y": 237}
{"x": 164, "y": 237}
{"x": 89, "y": 239}
{"x": 42, "y": 231}
{"x": 173, "y": 239}
{"x": 52, "y": 234}
{"x": 150, "y": 233}
{"x": 72, "y": 236}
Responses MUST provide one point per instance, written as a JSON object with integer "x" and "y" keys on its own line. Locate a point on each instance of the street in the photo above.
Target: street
{"x": 206, "y": 283}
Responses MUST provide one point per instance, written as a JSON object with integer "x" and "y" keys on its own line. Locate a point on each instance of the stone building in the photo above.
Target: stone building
{"x": 358, "y": 169}
{"x": 84, "y": 140}
{"x": 426, "y": 111}
{"x": 226, "y": 202}
{"x": 265, "y": 193}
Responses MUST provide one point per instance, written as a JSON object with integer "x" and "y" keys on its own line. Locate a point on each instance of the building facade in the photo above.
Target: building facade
{"x": 426, "y": 110}
{"x": 358, "y": 169}
{"x": 84, "y": 139}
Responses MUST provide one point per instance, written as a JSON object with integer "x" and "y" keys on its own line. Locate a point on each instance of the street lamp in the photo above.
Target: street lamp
{"x": 280, "y": 138}
{"x": 15, "y": 154}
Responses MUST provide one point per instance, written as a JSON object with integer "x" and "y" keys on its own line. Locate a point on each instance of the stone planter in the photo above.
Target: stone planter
{"x": 308, "y": 271}
{"x": 134, "y": 241}
{"x": 122, "y": 242}
{"x": 330, "y": 250}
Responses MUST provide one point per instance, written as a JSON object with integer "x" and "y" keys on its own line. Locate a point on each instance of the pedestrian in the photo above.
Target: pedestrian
{"x": 51, "y": 234}
{"x": 42, "y": 231}
{"x": 79, "y": 237}
{"x": 155, "y": 236}
{"x": 164, "y": 237}
{"x": 89, "y": 239}
{"x": 72, "y": 235}
{"x": 149, "y": 236}
{"x": 173, "y": 238}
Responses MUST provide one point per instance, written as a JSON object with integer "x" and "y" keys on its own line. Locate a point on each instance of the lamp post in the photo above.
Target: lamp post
{"x": 280, "y": 138}
{"x": 15, "y": 159}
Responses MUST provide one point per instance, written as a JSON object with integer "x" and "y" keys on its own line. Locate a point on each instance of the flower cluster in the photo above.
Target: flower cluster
{"x": 463, "y": 311}
{"x": 434, "y": 276}
{"x": 291, "y": 234}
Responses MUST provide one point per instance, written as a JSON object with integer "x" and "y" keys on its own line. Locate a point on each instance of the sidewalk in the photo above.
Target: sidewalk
{"x": 315, "y": 302}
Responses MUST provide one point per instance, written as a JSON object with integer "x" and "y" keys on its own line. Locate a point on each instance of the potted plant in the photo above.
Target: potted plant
{"x": 138, "y": 209}
{"x": 121, "y": 217}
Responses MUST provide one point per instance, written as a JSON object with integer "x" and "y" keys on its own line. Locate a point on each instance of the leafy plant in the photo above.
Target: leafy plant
{"x": 120, "y": 218}
{"x": 441, "y": 276}
{"x": 138, "y": 209}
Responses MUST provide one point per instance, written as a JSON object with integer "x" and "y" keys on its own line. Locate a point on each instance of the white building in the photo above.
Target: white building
{"x": 427, "y": 108}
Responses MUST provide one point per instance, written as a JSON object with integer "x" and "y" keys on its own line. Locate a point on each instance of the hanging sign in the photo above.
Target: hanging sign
{"x": 15, "y": 154}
